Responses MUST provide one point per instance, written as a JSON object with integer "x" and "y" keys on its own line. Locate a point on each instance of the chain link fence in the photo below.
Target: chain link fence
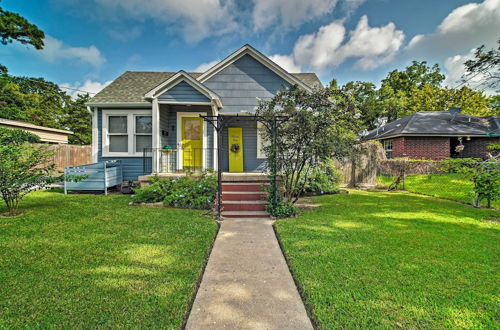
{"x": 463, "y": 180}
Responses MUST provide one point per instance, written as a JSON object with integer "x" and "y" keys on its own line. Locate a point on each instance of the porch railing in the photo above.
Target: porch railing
{"x": 179, "y": 160}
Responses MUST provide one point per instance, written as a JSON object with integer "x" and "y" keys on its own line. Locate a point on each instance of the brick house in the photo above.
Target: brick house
{"x": 436, "y": 135}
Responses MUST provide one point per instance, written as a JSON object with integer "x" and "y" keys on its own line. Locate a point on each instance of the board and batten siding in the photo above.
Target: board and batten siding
{"x": 183, "y": 92}
{"x": 242, "y": 83}
{"x": 133, "y": 167}
{"x": 250, "y": 161}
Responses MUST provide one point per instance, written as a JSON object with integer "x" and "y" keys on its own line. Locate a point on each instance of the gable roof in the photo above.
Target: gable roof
{"x": 266, "y": 61}
{"x": 437, "y": 123}
{"x": 176, "y": 79}
{"x": 131, "y": 86}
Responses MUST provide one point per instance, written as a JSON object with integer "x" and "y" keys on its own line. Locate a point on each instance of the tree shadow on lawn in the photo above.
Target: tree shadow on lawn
{"x": 383, "y": 259}
{"x": 100, "y": 266}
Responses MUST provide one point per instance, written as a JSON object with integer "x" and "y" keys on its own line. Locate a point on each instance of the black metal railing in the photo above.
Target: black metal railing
{"x": 179, "y": 160}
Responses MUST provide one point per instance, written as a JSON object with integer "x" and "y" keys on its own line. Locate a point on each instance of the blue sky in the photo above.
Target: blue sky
{"x": 91, "y": 42}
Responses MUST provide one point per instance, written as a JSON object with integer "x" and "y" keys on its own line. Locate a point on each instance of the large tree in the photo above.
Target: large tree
{"x": 486, "y": 64}
{"x": 315, "y": 127}
{"x": 14, "y": 27}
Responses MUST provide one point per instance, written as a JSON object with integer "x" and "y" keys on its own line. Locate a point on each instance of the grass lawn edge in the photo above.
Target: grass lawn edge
{"x": 200, "y": 277}
{"x": 303, "y": 296}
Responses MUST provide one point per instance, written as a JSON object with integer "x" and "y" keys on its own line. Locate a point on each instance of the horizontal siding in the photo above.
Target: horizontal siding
{"x": 132, "y": 167}
{"x": 250, "y": 161}
{"x": 183, "y": 92}
{"x": 242, "y": 83}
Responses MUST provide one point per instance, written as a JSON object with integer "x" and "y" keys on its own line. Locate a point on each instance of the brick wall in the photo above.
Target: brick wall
{"x": 476, "y": 147}
{"x": 424, "y": 147}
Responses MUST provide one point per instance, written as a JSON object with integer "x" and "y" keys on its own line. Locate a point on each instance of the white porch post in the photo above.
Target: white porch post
{"x": 156, "y": 136}
{"x": 215, "y": 149}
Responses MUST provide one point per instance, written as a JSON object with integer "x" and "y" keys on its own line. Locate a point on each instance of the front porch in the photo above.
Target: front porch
{"x": 255, "y": 177}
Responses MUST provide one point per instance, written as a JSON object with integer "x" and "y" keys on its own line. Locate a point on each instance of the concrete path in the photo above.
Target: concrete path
{"x": 247, "y": 284}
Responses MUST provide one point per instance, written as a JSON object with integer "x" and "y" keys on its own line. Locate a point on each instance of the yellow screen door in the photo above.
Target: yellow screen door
{"x": 235, "y": 139}
{"x": 192, "y": 143}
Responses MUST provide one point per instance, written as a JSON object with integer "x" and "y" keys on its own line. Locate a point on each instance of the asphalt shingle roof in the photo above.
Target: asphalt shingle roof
{"x": 437, "y": 123}
{"x": 132, "y": 85}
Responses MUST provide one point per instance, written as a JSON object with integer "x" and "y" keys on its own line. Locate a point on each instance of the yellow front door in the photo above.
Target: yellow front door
{"x": 192, "y": 143}
{"x": 235, "y": 139}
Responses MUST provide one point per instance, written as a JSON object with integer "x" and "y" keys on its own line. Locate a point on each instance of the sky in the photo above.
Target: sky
{"x": 91, "y": 42}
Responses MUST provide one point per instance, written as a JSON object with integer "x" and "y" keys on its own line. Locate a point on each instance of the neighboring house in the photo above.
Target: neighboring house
{"x": 46, "y": 134}
{"x": 151, "y": 120}
{"x": 436, "y": 135}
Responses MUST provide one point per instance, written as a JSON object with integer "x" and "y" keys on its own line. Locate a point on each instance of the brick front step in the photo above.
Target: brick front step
{"x": 243, "y": 205}
{"x": 245, "y": 214}
{"x": 243, "y": 195}
{"x": 241, "y": 186}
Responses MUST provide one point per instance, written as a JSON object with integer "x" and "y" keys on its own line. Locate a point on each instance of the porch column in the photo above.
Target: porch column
{"x": 156, "y": 143}
{"x": 215, "y": 150}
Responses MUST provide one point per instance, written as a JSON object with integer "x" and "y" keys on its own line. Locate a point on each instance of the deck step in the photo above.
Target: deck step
{"x": 244, "y": 205}
{"x": 245, "y": 214}
{"x": 241, "y": 186}
{"x": 243, "y": 195}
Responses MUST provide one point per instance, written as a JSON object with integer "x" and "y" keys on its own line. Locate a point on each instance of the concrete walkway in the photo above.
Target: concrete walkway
{"x": 247, "y": 284}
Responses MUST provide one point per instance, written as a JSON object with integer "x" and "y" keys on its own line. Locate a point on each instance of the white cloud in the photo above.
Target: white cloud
{"x": 352, "y": 5}
{"x": 55, "y": 50}
{"x": 455, "y": 69}
{"x": 197, "y": 19}
{"x": 88, "y": 85}
{"x": 465, "y": 27}
{"x": 289, "y": 13}
{"x": 371, "y": 46}
{"x": 205, "y": 66}
{"x": 286, "y": 62}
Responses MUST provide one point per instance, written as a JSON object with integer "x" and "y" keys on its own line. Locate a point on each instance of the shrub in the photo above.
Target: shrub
{"x": 16, "y": 136}
{"x": 23, "y": 169}
{"x": 196, "y": 191}
{"x": 323, "y": 179}
{"x": 148, "y": 194}
{"x": 486, "y": 180}
{"x": 457, "y": 165}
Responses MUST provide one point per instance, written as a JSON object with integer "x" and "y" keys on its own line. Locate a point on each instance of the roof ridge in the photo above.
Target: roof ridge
{"x": 412, "y": 116}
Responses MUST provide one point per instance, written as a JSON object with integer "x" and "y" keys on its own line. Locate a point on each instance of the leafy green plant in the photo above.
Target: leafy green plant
{"x": 486, "y": 180}
{"x": 323, "y": 179}
{"x": 191, "y": 191}
{"x": 148, "y": 194}
{"x": 16, "y": 136}
{"x": 457, "y": 165}
{"x": 23, "y": 169}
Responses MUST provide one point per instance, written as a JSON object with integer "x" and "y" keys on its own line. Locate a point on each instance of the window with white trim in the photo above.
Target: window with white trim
{"x": 387, "y": 148}
{"x": 261, "y": 141}
{"x": 126, "y": 132}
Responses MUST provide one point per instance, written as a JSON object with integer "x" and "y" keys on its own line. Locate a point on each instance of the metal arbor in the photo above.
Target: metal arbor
{"x": 221, "y": 122}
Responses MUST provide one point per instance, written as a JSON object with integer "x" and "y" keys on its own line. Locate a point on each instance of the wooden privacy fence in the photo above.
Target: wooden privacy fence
{"x": 70, "y": 155}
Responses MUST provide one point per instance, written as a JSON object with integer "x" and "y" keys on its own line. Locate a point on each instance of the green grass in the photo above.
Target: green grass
{"x": 84, "y": 261}
{"x": 450, "y": 186}
{"x": 390, "y": 260}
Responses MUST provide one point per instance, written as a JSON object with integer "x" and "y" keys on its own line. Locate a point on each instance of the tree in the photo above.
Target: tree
{"x": 78, "y": 119}
{"x": 24, "y": 167}
{"x": 15, "y": 27}
{"x": 485, "y": 63}
{"x": 416, "y": 75}
{"x": 43, "y": 103}
{"x": 433, "y": 98}
{"x": 317, "y": 126}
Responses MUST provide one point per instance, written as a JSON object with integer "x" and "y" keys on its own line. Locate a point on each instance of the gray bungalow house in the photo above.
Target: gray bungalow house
{"x": 152, "y": 122}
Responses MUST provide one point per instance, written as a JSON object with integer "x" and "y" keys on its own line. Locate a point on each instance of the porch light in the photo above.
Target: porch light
{"x": 468, "y": 138}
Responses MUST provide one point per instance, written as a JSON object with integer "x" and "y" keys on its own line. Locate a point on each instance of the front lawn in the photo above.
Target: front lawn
{"x": 396, "y": 260}
{"x": 85, "y": 261}
{"x": 449, "y": 185}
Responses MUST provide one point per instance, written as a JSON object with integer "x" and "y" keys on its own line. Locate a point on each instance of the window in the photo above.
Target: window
{"x": 143, "y": 130}
{"x": 387, "y": 148}
{"x": 126, "y": 132}
{"x": 261, "y": 142}
{"x": 117, "y": 132}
